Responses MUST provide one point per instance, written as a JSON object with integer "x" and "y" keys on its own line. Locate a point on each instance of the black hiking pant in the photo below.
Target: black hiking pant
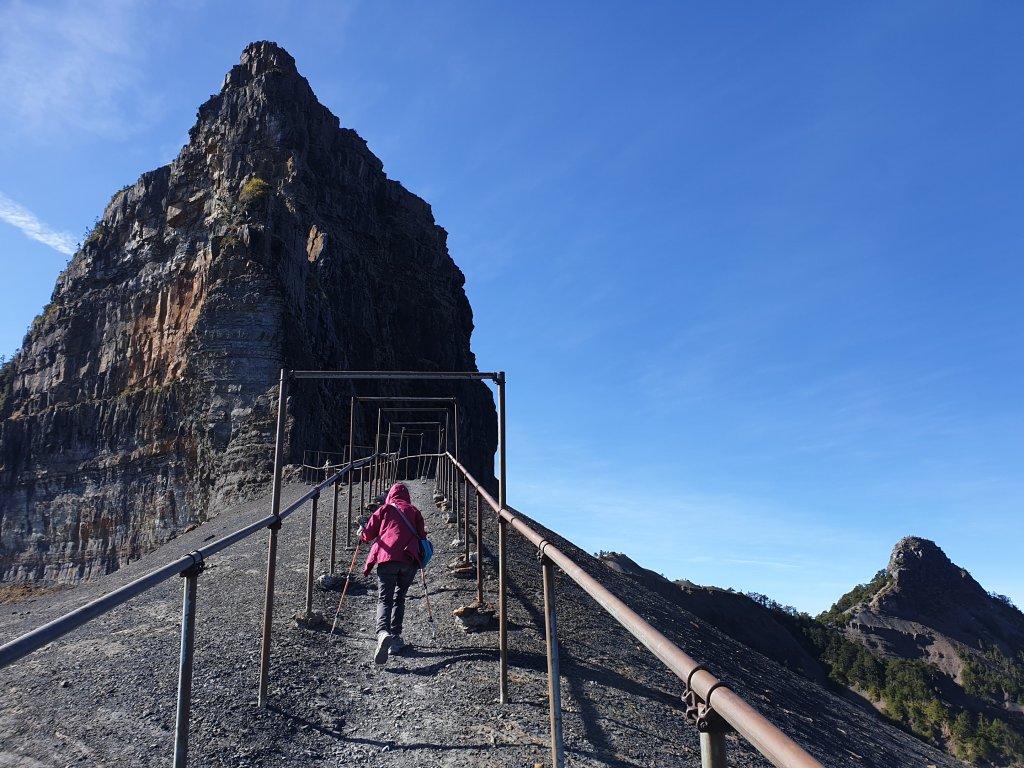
{"x": 393, "y": 581}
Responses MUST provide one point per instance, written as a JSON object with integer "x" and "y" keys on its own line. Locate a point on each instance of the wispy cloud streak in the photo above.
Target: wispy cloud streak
{"x": 72, "y": 67}
{"x": 18, "y": 216}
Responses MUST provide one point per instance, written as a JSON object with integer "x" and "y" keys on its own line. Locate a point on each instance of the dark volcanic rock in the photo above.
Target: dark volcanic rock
{"x": 144, "y": 396}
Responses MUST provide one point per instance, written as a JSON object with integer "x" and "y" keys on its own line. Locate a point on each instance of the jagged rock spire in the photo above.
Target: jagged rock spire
{"x": 144, "y": 398}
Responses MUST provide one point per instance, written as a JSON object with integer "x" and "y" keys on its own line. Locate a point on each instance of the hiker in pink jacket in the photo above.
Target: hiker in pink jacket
{"x": 395, "y": 552}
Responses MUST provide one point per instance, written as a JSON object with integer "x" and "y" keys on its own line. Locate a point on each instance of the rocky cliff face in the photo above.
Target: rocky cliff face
{"x": 144, "y": 396}
{"x": 931, "y": 609}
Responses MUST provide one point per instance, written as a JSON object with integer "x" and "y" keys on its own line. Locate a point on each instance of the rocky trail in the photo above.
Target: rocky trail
{"x": 105, "y": 695}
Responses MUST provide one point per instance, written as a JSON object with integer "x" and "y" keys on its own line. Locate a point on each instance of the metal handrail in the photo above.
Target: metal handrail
{"x": 37, "y": 638}
{"x": 771, "y": 742}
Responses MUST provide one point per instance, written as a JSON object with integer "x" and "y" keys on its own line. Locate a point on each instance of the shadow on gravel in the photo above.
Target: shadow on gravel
{"x": 299, "y": 722}
{"x": 446, "y": 657}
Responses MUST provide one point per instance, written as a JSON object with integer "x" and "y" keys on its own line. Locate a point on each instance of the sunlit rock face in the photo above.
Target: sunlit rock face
{"x": 929, "y": 608}
{"x": 144, "y": 397}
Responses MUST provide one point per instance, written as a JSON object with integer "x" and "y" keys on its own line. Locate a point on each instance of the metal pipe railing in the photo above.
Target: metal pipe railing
{"x": 189, "y": 566}
{"x": 772, "y": 743}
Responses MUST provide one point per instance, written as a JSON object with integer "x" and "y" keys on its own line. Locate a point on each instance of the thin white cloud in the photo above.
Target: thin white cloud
{"x": 18, "y": 216}
{"x": 71, "y": 66}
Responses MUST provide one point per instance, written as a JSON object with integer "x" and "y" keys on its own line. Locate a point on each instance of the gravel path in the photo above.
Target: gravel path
{"x": 105, "y": 695}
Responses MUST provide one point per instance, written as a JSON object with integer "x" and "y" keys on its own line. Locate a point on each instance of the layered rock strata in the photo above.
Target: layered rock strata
{"x": 144, "y": 396}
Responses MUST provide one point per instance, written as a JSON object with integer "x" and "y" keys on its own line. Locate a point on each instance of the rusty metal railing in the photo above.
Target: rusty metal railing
{"x": 188, "y": 566}
{"x": 711, "y": 705}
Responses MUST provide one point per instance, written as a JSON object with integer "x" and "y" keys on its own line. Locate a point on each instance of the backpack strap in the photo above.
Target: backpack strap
{"x": 411, "y": 528}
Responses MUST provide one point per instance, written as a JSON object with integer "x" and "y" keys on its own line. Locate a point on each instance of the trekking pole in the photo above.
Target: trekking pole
{"x": 430, "y": 614}
{"x": 348, "y": 577}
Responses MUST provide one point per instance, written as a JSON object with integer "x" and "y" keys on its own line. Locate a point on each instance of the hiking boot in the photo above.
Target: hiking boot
{"x": 397, "y": 644}
{"x": 383, "y": 648}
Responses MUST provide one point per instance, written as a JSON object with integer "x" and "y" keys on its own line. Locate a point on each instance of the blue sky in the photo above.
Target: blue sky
{"x": 753, "y": 269}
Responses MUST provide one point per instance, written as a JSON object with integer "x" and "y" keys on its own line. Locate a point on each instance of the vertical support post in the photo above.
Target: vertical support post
{"x": 479, "y": 555}
{"x": 351, "y": 459}
{"x": 334, "y": 524}
{"x": 376, "y": 457}
{"x": 188, "y": 639}
{"x": 268, "y": 601}
{"x": 502, "y": 498}
{"x": 312, "y": 556}
{"x": 457, "y": 503}
{"x": 465, "y": 515}
{"x": 712, "y": 749}
{"x": 502, "y": 553}
{"x": 554, "y": 681}
{"x": 398, "y": 474}
{"x": 387, "y": 464}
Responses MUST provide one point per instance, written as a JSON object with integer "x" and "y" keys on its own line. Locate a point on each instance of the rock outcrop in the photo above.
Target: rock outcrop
{"x": 929, "y": 608}
{"x": 144, "y": 396}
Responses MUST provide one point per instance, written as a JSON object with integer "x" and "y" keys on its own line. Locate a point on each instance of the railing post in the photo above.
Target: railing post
{"x": 465, "y": 515}
{"x": 334, "y": 524}
{"x": 554, "y": 681}
{"x": 362, "y": 493}
{"x": 712, "y": 749}
{"x": 479, "y": 556}
{"x": 502, "y": 536}
{"x": 268, "y": 601}
{"x": 188, "y": 638}
{"x": 312, "y": 556}
{"x": 457, "y": 503}
{"x": 375, "y": 476}
{"x": 351, "y": 459}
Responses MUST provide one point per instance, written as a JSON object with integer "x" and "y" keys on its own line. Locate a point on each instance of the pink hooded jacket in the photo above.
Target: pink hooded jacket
{"x": 395, "y": 541}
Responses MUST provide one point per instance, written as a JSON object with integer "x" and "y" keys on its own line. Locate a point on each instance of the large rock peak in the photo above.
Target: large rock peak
{"x": 918, "y": 564}
{"x": 143, "y": 397}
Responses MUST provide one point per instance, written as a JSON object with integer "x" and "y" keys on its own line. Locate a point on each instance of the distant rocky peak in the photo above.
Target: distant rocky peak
{"x": 919, "y": 565}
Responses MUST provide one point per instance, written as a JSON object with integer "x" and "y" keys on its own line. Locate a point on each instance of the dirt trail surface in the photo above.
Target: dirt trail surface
{"x": 105, "y": 694}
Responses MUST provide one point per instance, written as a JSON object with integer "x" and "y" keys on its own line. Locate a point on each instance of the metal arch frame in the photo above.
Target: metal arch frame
{"x": 287, "y": 375}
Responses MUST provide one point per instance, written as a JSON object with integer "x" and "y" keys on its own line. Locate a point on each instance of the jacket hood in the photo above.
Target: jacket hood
{"x": 399, "y": 493}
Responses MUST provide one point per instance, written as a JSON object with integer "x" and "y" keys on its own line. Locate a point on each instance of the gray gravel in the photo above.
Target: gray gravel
{"x": 105, "y": 695}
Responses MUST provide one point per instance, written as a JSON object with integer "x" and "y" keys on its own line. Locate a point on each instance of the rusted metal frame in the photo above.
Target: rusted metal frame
{"x": 713, "y": 752}
{"x": 334, "y": 524}
{"x": 502, "y": 548}
{"x": 401, "y": 440}
{"x": 387, "y": 462}
{"x": 747, "y": 721}
{"x": 362, "y": 492}
{"x": 31, "y": 641}
{"x": 275, "y": 507}
{"x": 376, "y": 452}
{"x": 765, "y": 737}
{"x": 417, "y": 375}
{"x": 465, "y": 519}
{"x": 479, "y": 554}
{"x": 351, "y": 454}
{"x": 185, "y": 660}
{"x": 312, "y": 555}
{"x": 551, "y": 643}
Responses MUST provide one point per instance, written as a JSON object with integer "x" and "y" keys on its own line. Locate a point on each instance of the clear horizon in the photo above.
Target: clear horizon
{"x": 754, "y": 274}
